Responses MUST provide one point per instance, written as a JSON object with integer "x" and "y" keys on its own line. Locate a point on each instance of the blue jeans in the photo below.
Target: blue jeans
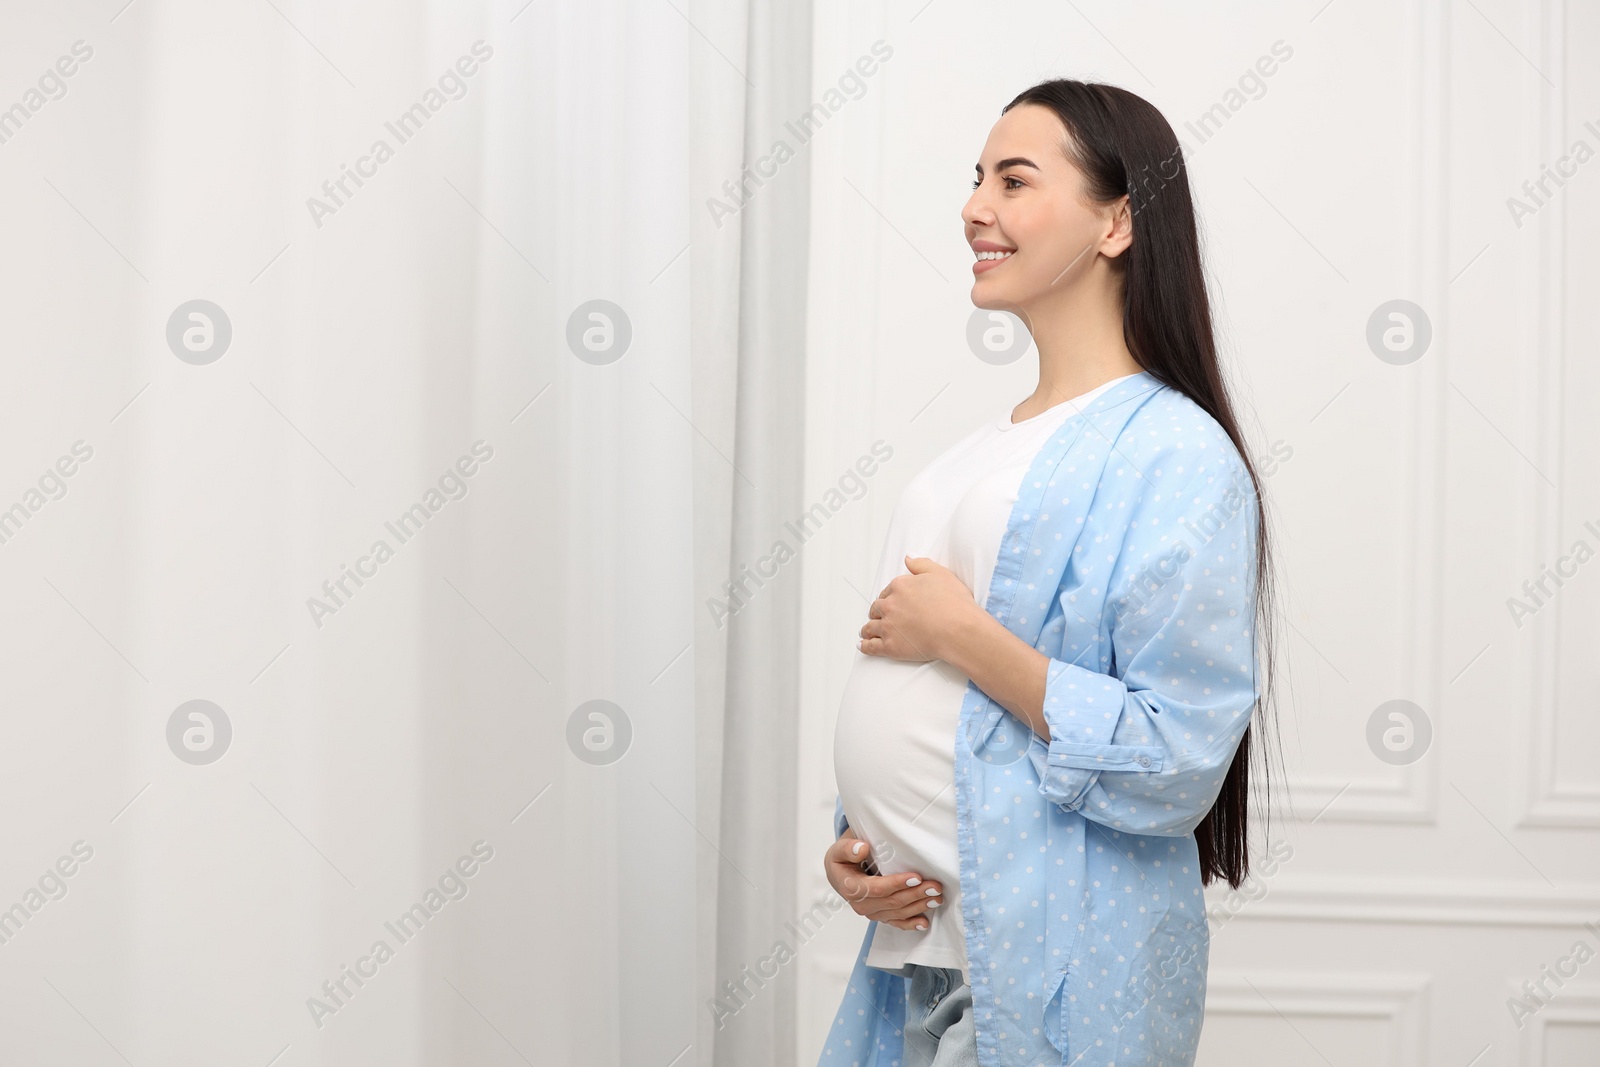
{"x": 939, "y": 1028}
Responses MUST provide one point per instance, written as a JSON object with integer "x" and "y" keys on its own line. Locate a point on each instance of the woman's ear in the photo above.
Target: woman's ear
{"x": 1119, "y": 229}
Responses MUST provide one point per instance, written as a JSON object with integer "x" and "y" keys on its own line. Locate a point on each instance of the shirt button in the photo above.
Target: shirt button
{"x": 1144, "y": 761}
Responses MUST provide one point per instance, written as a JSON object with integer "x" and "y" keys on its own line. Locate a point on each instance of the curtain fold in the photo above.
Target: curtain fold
{"x": 750, "y": 221}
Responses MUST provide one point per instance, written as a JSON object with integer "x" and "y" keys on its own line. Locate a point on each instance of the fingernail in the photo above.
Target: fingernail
{"x": 913, "y": 880}
{"x": 857, "y": 850}
{"x": 933, "y": 891}
{"x": 922, "y": 926}
{"x": 934, "y": 903}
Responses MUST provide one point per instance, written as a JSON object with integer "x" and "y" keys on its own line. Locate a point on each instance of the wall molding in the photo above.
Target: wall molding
{"x": 1397, "y": 999}
{"x": 1573, "y": 1004}
{"x": 1438, "y": 901}
{"x": 1413, "y": 799}
{"x": 1549, "y": 801}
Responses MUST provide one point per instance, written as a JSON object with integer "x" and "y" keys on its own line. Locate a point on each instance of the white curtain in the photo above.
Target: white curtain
{"x": 750, "y": 225}
{"x": 418, "y": 466}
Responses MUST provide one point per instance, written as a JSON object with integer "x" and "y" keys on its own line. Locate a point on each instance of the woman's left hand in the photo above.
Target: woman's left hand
{"x": 917, "y": 613}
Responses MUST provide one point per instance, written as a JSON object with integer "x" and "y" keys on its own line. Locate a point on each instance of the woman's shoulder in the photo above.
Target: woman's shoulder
{"x": 1172, "y": 440}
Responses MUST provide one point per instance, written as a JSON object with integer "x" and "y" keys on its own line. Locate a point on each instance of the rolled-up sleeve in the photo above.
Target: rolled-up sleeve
{"x": 1146, "y": 749}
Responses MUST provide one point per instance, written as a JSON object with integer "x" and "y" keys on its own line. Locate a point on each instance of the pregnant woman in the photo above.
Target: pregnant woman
{"x": 1043, "y": 746}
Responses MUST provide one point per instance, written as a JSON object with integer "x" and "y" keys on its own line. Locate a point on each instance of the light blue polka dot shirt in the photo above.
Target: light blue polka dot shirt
{"x": 1129, "y": 559}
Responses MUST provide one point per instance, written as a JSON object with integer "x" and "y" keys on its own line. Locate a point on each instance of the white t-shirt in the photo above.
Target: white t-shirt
{"x": 894, "y": 745}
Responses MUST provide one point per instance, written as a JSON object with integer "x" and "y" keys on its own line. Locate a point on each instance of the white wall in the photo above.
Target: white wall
{"x": 1375, "y": 165}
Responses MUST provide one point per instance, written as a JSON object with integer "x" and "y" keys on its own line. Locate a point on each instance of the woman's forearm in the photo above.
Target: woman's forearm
{"x": 1000, "y": 663}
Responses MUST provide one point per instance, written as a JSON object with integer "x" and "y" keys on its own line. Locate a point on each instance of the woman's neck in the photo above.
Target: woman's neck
{"x": 1074, "y": 362}
{"x": 1081, "y": 347}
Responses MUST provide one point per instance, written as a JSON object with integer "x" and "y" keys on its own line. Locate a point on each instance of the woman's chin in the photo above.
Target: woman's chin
{"x": 991, "y": 299}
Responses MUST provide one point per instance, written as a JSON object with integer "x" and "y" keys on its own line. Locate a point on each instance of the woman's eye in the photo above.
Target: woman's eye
{"x": 979, "y": 181}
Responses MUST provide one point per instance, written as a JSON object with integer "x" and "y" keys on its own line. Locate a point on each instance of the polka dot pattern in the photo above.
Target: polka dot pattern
{"x": 1129, "y": 559}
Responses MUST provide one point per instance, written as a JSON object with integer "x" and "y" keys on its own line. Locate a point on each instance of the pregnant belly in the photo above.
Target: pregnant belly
{"x": 894, "y": 759}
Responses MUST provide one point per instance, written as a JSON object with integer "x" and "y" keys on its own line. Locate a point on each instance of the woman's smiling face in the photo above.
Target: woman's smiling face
{"x": 1028, "y": 200}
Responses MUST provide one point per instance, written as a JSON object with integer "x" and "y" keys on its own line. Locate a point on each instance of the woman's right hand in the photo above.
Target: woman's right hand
{"x": 899, "y": 900}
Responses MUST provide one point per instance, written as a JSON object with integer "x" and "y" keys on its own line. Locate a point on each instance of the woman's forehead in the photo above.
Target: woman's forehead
{"x": 1026, "y": 132}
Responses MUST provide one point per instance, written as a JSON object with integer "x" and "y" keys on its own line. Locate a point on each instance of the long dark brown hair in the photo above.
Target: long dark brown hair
{"x": 1124, "y": 147}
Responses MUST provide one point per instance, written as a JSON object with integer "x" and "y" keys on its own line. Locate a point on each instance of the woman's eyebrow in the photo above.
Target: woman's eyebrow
{"x": 1014, "y": 161}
